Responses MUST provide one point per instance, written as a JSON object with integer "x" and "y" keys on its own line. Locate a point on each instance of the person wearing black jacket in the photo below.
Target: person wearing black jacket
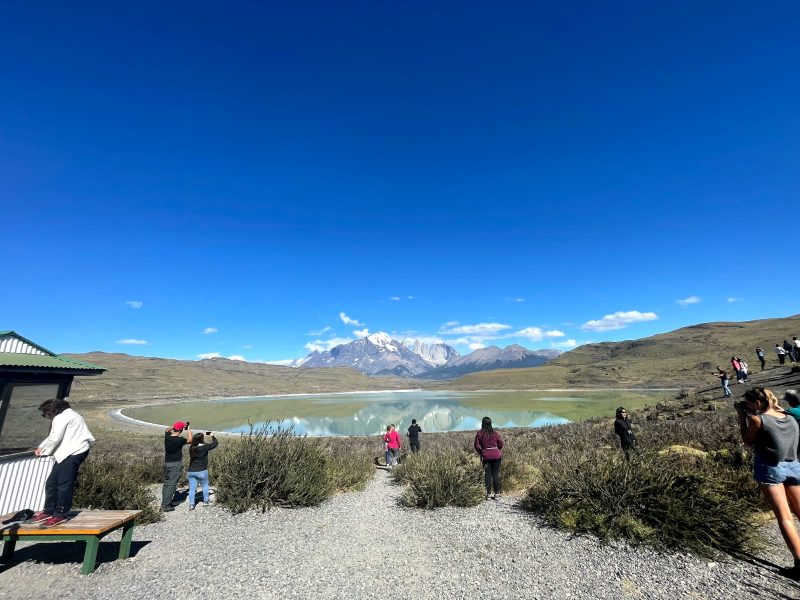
{"x": 622, "y": 427}
{"x": 413, "y": 436}
{"x": 198, "y": 466}
{"x": 173, "y": 461}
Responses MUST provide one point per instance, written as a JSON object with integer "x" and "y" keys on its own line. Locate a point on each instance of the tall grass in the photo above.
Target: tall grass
{"x": 441, "y": 478}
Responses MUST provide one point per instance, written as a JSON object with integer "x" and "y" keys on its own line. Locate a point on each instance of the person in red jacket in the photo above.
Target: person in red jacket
{"x": 392, "y": 440}
{"x": 489, "y": 445}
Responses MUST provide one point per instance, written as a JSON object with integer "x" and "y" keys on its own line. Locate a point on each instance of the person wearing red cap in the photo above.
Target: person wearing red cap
{"x": 173, "y": 461}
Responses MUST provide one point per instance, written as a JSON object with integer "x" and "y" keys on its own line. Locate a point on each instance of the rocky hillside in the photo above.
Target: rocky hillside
{"x": 135, "y": 377}
{"x": 683, "y": 358}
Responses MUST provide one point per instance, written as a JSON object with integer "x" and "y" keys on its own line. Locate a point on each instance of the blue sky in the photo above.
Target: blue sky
{"x": 258, "y": 179}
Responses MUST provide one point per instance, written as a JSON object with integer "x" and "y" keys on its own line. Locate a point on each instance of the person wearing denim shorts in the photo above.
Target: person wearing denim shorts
{"x": 774, "y": 435}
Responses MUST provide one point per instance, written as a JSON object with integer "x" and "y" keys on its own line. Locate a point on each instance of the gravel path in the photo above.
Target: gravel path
{"x": 364, "y": 545}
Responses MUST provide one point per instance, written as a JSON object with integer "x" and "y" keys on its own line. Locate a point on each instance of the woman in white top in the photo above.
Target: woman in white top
{"x": 68, "y": 443}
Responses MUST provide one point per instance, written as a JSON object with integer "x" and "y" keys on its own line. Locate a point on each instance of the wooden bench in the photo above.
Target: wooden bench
{"x": 88, "y": 526}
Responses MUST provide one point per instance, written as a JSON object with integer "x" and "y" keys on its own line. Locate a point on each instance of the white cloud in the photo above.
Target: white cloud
{"x": 248, "y": 346}
{"x": 287, "y": 362}
{"x": 237, "y": 357}
{"x": 515, "y": 299}
{"x": 553, "y": 333}
{"x": 618, "y": 320}
{"x": 476, "y": 346}
{"x": 348, "y": 321}
{"x": 134, "y": 303}
{"x": 210, "y": 355}
{"x": 210, "y": 330}
{"x": 322, "y": 331}
{"x": 132, "y": 342}
{"x": 324, "y": 345}
{"x": 732, "y": 300}
{"x": 394, "y": 298}
{"x": 535, "y": 334}
{"x": 361, "y": 333}
{"x": 411, "y": 297}
{"x": 689, "y": 300}
{"x": 477, "y": 329}
{"x": 564, "y": 344}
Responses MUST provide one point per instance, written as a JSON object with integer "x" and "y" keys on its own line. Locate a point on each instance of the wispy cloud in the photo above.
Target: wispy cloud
{"x": 394, "y": 298}
{"x": 536, "y": 334}
{"x": 361, "y": 333}
{"x": 476, "y": 346}
{"x": 237, "y": 357}
{"x": 690, "y": 300}
{"x": 448, "y": 325}
{"x": 248, "y": 346}
{"x": 210, "y": 330}
{"x": 286, "y": 362}
{"x": 132, "y": 342}
{"x": 565, "y": 344}
{"x": 324, "y": 345}
{"x": 348, "y": 321}
{"x": 515, "y": 299}
{"x": 134, "y": 303}
{"x": 618, "y": 320}
{"x": 732, "y": 300}
{"x": 322, "y": 331}
{"x": 477, "y": 329}
{"x": 411, "y": 297}
{"x": 210, "y": 355}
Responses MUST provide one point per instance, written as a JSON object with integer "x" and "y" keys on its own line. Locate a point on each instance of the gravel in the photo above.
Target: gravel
{"x": 365, "y": 545}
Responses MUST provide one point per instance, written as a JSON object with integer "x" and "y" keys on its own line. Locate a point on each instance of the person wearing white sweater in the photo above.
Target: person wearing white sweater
{"x": 68, "y": 443}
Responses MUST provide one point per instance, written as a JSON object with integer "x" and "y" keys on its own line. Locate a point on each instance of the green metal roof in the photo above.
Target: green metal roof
{"x": 49, "y": 360}
{"x": 46, "y": 362}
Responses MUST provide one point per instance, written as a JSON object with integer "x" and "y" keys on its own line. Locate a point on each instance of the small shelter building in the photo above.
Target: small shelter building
{"x": 29, "y": 375}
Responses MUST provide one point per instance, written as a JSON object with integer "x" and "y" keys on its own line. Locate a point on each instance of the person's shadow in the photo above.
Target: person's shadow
{"x": 67, "y": 552}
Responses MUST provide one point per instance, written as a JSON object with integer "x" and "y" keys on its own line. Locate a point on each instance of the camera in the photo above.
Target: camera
{"x": 208, "y": 434}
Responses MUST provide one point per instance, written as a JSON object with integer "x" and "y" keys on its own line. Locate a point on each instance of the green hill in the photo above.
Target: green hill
{"x": 683, "y": 358}
{"x": 135, "y": 377}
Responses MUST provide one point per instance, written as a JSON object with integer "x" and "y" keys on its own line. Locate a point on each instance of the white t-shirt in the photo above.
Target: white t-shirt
{"x": 68, "y": 435}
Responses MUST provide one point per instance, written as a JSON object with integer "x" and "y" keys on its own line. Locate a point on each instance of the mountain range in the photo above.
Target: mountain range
{"x": 380, "y": 354}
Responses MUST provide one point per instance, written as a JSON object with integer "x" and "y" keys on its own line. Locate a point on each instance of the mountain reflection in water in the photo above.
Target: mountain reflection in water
{"x": 369, "y": 413}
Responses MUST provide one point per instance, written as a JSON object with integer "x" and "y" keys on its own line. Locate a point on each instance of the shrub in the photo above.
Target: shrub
{"x": 349, "y": 467}
{"x": 271, "y": 466}
{"x": 441, "y": 478}
{"x": 116, "y": 484}
{"x": 670, "y": 501}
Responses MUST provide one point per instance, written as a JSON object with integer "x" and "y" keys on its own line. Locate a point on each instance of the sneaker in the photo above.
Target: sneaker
{"x": 488, "y": 496}
{"x": 53, "y": 521}
{"x": 498, "y": 495}
{"x": 191, "y": 507}
{"x": 167, "y": 508}
{"x": 40, "y": 517}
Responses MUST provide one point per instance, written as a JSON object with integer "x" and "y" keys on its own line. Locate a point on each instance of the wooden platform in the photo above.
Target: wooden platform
{"x": 89, "y": 526}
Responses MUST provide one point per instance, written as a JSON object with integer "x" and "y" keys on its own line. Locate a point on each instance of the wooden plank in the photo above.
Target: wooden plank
{"x": 84, "y": 523}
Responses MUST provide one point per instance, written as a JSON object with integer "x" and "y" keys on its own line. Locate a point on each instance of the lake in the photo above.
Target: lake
{"x": 368, "y": 413}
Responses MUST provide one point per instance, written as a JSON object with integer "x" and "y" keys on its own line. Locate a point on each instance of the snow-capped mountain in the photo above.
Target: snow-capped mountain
{"x": 380, "y": 354}
{"x": 376, "y": 354}
{"x": 491, "y": 357}
{"x": 436, "y": 354}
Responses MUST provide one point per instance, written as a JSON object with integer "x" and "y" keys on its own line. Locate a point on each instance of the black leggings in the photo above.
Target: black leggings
{"x": 491, "y": 470}
{"x": 60, "y": 485}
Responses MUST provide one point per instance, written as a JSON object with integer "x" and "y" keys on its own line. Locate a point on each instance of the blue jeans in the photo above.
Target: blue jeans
{"x": 725, "y": 388}
{"x": 787, "y": 473}
{"x": 194, "y": 478}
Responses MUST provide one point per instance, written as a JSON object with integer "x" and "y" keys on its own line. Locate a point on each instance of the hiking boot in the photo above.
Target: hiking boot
{"x": 52, "y": 522}
{"x": 40, "y": 517}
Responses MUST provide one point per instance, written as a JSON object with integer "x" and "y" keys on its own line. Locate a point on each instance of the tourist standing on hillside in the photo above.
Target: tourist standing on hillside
{"x": 744, "y": 369}
{"x": 789, "y": 347}
{"x": 736, "y": 369}
{"x": 622, "y": 427}
{"x": 760, "y": 355}
{"x": 781, "y": 354}
{"x": 413, "y": 436}
{"x": 198, "y": 466}
{"x": 774, "y": 436}
{"x": 723, "y": 378}
{"x": 489, "y": 445}
{"x": 68, "y": 442}
{"x": 173, "y": 461}
{"x": 387, "y": 454}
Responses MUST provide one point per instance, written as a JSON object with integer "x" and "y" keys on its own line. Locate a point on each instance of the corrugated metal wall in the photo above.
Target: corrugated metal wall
{"x": 22, "y": 483}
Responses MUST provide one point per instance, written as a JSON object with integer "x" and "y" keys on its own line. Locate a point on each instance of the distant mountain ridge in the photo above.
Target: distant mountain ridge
{"x": 380, "y": 354}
